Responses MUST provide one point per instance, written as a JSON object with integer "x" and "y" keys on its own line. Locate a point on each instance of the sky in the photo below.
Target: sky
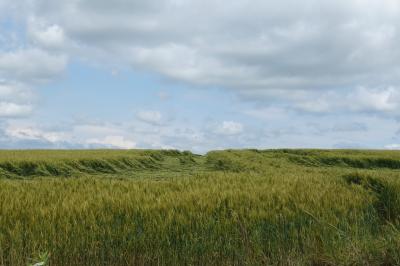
{"x": 199, "y": 74}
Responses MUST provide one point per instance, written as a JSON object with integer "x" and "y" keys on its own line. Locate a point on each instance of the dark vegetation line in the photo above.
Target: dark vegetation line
{"x": 92, "y": 162}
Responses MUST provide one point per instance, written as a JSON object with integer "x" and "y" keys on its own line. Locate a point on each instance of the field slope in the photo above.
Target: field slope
{"x": 233, "y": 207}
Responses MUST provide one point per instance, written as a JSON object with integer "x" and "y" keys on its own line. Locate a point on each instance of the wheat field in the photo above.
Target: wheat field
{"x": 233, "y": 207}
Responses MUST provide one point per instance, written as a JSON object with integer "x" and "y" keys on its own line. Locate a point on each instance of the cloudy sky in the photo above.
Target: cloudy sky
{"x": 199, "y": 74}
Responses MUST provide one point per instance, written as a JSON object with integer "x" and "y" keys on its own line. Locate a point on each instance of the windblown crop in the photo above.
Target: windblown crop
{"x": 142, "y": 207}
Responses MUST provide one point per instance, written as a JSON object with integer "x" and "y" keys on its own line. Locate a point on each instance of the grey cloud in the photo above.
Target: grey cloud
{"x": 253, "y": 47}
{"x": 340, "y": 128}
{"x": 31, "y": 65}
{"x": 48, "y": 36}
{"x": 350, "y": 127}
{"x": 150, "y": 116}
{"x": 23, "y": 68}
{"x": 9, "y": 109}
{"x": 316, "y": 57}
{"x": 16, "y": 100}
{"x": 311, "y": 39}
{"x": 384, "y": 101}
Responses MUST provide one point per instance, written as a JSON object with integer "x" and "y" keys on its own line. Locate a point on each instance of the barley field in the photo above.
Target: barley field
{"x": 232, "y": 207}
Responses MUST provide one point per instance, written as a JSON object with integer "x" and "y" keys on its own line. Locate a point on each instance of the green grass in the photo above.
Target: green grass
{"x": 248, "y": 207}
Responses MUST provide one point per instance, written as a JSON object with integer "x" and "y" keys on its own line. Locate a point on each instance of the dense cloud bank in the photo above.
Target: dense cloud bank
{"x": 294, "y": 58}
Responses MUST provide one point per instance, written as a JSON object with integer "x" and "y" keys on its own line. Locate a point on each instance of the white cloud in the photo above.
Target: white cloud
{"x": 73, "y": 136}
{"x": 15, "y": 100}
{"x": 256, "y": 49}
{"x": 318, "y": 58}
{"x": 384, "y": 100}
{"x": 31, "y": 65}
{"x": 95, "y": 130}
{"x": 229, "y": 128}
{"x": 240, "y": 45}
{"x": 22, "y": 69}
{"x": 113, "y": 142}
{"x": 8, "y": 109}
{"x": 31, "y": 133}
{"x": 48, "y": 36}
{"x": 317, "y": 105}
{"x": 350, "y": 127}
{"x": 393, "y": 147}
{"x": 15, "y": 92}
{"x": 150, "y": 117}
